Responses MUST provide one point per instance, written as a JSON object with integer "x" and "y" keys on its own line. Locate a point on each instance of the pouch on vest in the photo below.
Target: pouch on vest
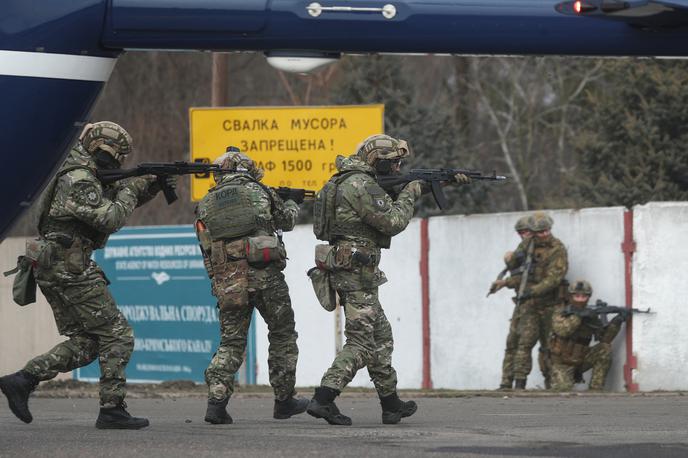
{"x": 41, "y": 252}
{"x": 324, "y": 257}
{"x": 262, "y": 249}
{"x": 76, "y": 259}
{"x": 323, "y": 211}
{"x": 24, "y": 285}
{"x": 320, "y": 279}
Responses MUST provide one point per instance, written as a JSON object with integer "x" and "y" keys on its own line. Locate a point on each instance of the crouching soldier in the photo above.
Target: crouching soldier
{"x": 239, "y": 226}
{"x": 573, "y": 328}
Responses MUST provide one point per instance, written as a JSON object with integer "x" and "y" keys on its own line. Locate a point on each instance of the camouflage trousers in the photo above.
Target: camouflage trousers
{"x": 85, "y": 311}
{"x": 598, "y": 358}
{"x": 369, "y": 343}
{"x": 534, "y": 323}
{"x": 510, "y": 352}
{"x": 270, "y": 296}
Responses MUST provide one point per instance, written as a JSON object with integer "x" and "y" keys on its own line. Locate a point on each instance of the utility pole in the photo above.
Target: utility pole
{"x": 219, "y": 96}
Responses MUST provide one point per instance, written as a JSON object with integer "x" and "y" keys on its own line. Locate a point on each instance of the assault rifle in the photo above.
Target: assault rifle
{"x": 435, "y": 178}
{"x": 161, "y": 170}
{"x": 295, "y": 194}
{"x": 602, "y": 308}
{"x": 500, "y": 276}
{"x": 526, "y": 271}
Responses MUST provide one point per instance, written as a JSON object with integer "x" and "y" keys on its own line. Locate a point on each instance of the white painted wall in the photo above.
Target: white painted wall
{"x": 468, "y": 330}
{"x": 26, "y": 331}
{"x": 659, "y": 276}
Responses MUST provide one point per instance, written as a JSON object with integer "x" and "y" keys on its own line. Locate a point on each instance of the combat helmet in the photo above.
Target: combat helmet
{"x": 580, "y": 287}
{"x": 108, "y": 137}
{"x": 540, "y": 221}
{"x": 234, "y": 160}
{"x": 522, "y": 224}
{"x": 380, "y": 147}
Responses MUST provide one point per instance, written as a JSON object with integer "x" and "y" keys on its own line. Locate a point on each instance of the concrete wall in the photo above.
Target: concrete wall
{"x": 468, "y": 330}
{"x": 660, "y": 270}
{"x": 27, "y": 331}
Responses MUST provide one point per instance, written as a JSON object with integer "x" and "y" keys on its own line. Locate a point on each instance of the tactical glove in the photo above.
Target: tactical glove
{"x": 618, "y": 319}
{"x": 169, "y": 180}
{"x": 140, "y": 185}
{"x": 415, "y": 188}
{"x": 460, "y": 178}
{"x": 497, "y": 285}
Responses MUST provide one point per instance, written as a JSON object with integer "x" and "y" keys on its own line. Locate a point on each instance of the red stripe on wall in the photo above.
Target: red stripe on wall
{"x": 425, "y": 291}
{"x": 628, "y": 248}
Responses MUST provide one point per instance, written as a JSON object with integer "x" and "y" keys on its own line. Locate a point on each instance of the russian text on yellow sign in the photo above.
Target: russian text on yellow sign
{"x": 296, "y": 146}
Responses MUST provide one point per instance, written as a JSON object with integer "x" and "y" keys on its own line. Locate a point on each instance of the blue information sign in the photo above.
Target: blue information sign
{"x": 161, "y": 286}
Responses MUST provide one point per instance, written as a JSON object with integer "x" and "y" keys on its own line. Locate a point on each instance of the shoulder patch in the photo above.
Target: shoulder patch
{"x": 87, "y": 193}
{"x": 378, "y": 196}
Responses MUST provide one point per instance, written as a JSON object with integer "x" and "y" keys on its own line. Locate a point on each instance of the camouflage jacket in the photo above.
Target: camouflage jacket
{"x": 361, "y": 201}
{"x": 76, "y": 206}
{"x": 549, "y": 267}
{"x": 582, "y": 330}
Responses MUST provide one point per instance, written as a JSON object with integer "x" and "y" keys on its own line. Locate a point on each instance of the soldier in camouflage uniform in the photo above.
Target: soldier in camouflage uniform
{"x": 521, "y": 228}
{"x": 571, "y": 354}
{"x": 239, "y": 226}
{"x": 360, "y": 220}
{"x": 543, "y": 290}
{"x": 77, "y": 216}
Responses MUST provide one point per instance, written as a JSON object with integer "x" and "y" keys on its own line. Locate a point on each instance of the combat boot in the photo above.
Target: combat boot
{"x": 507, "y": 384}
{"x": 118, "y": 418}
{"x": 393, "y": 409}
{"x": 289, "y": 407}
{"x": 216, "y": 413}
{"x": 17, "y": 387}
{"x": 322, "y": 406}
{"x": 520, "y": 384}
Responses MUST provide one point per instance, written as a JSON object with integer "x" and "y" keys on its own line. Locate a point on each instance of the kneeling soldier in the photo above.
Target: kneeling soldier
{"x": 572, "y": 331}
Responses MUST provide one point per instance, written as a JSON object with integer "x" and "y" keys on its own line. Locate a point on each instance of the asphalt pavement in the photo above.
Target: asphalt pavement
{"x": 568, "y": 426}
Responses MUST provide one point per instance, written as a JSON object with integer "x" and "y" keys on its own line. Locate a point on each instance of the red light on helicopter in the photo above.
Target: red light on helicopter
{"x": 581, "y": 7}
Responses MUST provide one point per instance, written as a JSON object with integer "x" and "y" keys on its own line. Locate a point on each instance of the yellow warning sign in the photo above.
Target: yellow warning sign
{"x": 296, "y": 146}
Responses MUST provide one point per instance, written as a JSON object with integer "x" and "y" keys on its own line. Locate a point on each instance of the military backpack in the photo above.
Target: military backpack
{"x": 325, "y": 206}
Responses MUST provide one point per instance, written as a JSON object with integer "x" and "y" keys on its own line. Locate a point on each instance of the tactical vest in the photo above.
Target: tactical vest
{"x": 325, "y": 224}
{"x": 229, "y": 213}
{"x": 574, "y": 348}
{"x": 66, "y": 232}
